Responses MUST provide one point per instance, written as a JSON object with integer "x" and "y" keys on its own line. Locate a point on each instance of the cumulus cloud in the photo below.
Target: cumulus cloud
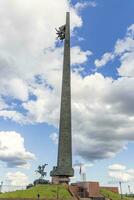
{"x": 121, "y": 173}
{"x": 101, "y": 127}
{"x": 2, "y": 104}
{"x": 17, "y": 178}
{"x": 13, "y": 115}
{"x": 22, "y": 62}
{"x": 82, "y": 5}
{"x": 79, "y": 56}
{"x": 54, "y": 137}
{"x": 105, "y": 59}
{"x": 124, "y": 49}
{"x": 117, "y": 167}
{"x": 127, "y": 63}
{"x": 32, "y": 29}
{"x": 12, "y": 150}
{"x": 102, "y": 115}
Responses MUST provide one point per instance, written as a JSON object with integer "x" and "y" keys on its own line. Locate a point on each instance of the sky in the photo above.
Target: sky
{"x": 102, "y": 83}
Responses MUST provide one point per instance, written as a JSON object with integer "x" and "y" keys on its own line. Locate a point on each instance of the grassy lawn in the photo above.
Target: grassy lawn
{"x": 113, "y": 196}
{"x": 45, "y": 191}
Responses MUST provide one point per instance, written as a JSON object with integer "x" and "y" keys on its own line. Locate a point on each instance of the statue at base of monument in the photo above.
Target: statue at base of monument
{"x": 41, "y": 170}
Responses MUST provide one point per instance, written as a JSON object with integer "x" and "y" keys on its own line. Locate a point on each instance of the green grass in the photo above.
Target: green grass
{"x": 114, "y": 196}
{"x": 45, "y": 191}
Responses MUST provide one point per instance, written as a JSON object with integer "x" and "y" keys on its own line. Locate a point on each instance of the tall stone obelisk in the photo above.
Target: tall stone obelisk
{"x": 64, "y": 170}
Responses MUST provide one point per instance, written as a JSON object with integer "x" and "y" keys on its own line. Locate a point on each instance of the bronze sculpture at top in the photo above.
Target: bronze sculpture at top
{"x": 64, "y": 170}
{"x": 61, "y": 32}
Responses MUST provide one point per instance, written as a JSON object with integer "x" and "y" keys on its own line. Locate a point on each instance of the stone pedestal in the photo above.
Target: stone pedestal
{"x": 60, "y": 180}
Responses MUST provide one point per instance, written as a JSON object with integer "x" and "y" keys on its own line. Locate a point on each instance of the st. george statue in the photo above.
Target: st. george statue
{"x": 41, "y": 170}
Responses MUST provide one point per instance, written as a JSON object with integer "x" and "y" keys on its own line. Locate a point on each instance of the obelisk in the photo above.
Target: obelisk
{"x": 64, "y": 170}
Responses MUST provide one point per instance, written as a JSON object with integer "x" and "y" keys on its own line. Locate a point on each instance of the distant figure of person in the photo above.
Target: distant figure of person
{"x": 38, "y": 196}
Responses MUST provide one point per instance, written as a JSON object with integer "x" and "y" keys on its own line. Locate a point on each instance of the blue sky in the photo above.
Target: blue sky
{"x": 102, "y": 52}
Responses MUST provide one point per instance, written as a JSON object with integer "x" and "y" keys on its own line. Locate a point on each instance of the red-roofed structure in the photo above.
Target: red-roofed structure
{"x": 89, "y": 190}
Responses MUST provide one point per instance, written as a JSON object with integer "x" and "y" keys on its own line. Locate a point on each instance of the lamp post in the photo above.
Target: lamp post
{"x": 1, "y": 186}
{"x": 57, "y": 191}
{"x": 120, "y": 183}
{"x": 129, "y": 189}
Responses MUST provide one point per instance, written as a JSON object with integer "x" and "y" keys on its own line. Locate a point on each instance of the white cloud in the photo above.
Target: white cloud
{"x": 117, "y": 167}
{"x": 13, "y": 115}
{"x": 32, "y": 29}
{"x": 2, "y": 104}
{"x": 45, "y": 108}
{"x": 79, "y": 56}
{"x": 43, "y": 93}
{"x": 82, "y": 5}
{"x": 17, "y": 178}
{"x": 124, "y": 49}
{"x": 22, "y": 60}
{"x": 33, "y": 24}
{"x": 121, "y": 176}
{"x": 127, "y": 65}
{"x": 121, "y": 173}
{"x": 54, "y": 137}
{"x": 131, "y": 31}
{"x": 102, "y": 126}
{"x": 12, "y": 150}
{"x": 104, "y": 60}
{"x": 95, "y": 136}
{"x": 80, "y": 39}
{"x": 125, "y": 45}
{"x": 16, "y": 88}
{"x": 32, "y": 32}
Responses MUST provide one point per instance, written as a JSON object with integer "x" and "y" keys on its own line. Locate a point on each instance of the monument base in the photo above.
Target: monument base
{"x": 60, "y": 180}
{"x": 40, "y": 181}
{"x": 62, "y": 171}
{"x": 61, "y": 175}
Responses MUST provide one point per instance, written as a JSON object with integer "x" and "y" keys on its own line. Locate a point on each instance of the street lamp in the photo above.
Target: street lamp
{"x": 1, "y": 186}
{"x": 129, "y": 189}
{"x": 120, "y": 183}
